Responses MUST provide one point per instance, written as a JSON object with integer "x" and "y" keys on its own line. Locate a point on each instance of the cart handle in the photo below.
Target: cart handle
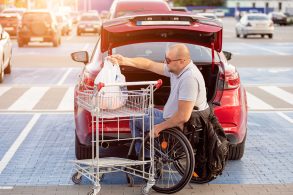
{"x": 157, "y": 84}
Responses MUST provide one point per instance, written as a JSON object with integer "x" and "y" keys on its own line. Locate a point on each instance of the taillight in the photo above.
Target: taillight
{"x": 248, "y": 24}
{"x": 232, "y": 80}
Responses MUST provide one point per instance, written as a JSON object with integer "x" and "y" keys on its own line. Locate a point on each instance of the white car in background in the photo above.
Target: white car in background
{"x": 5, "y": 53}
{"x": 211, "y": 16}
{"x": 255, "y": 24}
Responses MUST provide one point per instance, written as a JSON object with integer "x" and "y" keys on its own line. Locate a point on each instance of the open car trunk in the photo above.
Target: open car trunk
{"x": 161, "y": 95}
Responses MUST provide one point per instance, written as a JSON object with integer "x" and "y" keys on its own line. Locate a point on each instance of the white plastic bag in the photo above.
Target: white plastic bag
{"x": 111, "y": 97}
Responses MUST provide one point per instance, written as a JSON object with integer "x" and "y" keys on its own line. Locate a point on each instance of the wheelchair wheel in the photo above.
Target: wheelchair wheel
{"x": 174, "y": 161}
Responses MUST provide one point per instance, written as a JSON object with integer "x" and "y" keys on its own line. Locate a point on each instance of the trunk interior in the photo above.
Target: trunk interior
{"x": 161, "y": 95}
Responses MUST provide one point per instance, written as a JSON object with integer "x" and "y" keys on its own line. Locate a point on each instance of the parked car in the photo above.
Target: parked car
{"x": 38, "y": 26}
{"x": 19, "y": 11}
{"x": 89, "y": 23}
{"x": 255, "y": 24}
{"x": 128, "y": 7}
{"x": 219, "y": 13}
{"x": 10, "y": 23}
{"x": 104, "y": 15}
{"x": 278, "y": 18}
{"x": 211, "y": 16}
{"x": 224, "y": 88}
{"x": 5, "y": 53}
{"x": 74, "y": 17}
{"x": 64, "y": 24}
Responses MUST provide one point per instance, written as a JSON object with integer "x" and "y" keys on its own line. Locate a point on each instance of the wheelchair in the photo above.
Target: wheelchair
{"x": 176, "y": 160}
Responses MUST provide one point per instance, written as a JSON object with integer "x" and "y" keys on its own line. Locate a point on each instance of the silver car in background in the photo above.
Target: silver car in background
{"x": 255, "y": 24}
{"x": 211, "y": 16}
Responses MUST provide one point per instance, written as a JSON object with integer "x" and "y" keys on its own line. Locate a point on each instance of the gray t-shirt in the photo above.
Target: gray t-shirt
{"x": 189, "y": 85}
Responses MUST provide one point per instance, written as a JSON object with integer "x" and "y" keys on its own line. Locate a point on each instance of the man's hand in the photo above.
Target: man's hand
{"x": 119, "y": 59}
{"x": 157, "y": 129}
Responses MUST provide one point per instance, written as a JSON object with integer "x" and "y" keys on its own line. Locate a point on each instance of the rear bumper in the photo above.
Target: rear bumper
{"x": 258, "y": 31}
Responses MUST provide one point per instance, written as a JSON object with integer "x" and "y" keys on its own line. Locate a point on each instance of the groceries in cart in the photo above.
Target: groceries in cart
{"x": 113, "y": 97}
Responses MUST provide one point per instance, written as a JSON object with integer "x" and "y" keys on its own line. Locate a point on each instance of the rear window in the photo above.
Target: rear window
{"x": 156, "y": 51}
{"x": 89, "y": 18}
{"x": 32, "y": 17}
{"x": 129, "y": 12}
{"x": 257, "y": 18}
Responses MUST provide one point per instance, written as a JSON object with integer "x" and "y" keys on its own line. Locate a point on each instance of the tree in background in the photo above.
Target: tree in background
{"x": 199, "y": 2}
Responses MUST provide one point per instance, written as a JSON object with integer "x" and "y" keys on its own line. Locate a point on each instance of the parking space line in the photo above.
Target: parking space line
{"x": 67, "y": 101}
{"x": 256, "y": 103}
{"x": 14, "y": 147}
{"x": 3, "y": 90}
{"x": 284, "y": 116}
{"x": 29, "y": 99}
{"x": 6, "y": 187}
{"x": 280, "y": 93}
{"x": 61, "y": 81}
{"x": 265, "y": 49}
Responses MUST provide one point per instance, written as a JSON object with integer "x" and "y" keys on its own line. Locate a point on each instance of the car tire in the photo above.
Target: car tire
{"x": 82, "y": 151}
{"x": 236, "y": 151}
{"x": 262, "y": 36}
{"x": 270, "y": 36}
{"x": 1, "y": 73}
{"x": 56, "y": 42}
{"x": 20, "y": 43}
{"x": 7, "y": 70}
{"x": 244, "y": 36}
{"x": 78, "y": 33}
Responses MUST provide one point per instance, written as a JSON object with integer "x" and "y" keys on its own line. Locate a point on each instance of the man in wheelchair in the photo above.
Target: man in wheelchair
{"x": 186, "y": 109}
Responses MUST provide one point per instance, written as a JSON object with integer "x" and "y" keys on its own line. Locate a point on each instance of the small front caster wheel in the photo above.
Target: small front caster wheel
{"x": 145, "y": 190}
{"x": 76, "y": 178}
{"x": 130, "y": 180}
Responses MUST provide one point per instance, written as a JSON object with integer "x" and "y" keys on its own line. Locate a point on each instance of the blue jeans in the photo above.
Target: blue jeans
{"x": 136, "y": 126}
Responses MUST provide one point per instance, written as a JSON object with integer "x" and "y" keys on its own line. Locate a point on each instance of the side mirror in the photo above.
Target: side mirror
{"x": 80, "y": 56}
{"x": 228, "y": 55}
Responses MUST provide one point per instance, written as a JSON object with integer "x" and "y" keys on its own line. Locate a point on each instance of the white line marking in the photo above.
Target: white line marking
{"x": 14, "y": 147}
{"x": 64, "y": 77}
{"x": 67, "y": 102}
{"x": 3, "y": 90}
{"x": 284, "y": 116}
{"x": 280, "y": 93}
{"x": 85, "y": 48}
{"x": 29, "y": 99}
{"x": 265, "y": 49}
{"x": 256, "y": 103}
{"x": 6, "y": 187}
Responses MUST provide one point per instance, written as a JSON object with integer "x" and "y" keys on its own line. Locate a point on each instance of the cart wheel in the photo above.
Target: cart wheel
{"x": 130, "y": 180}
{"x": 144, "y": 190}
{"x": 94, "y": 191}
{"x": 76, "y": 178}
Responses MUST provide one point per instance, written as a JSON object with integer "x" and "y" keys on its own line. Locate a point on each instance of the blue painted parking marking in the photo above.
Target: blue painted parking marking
{"x": 10, "y": 127}
{"x": 266, "y": 75}
{"x": 43, "y": 157}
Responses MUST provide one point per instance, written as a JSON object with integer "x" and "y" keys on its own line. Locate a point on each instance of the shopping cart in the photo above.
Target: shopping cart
{"x": 166, "y": 162}
{"x": 128, "y": 104}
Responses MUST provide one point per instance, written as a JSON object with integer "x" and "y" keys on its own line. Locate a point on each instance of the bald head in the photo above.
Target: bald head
{"x": 179, "y": 51}
{"x": 179, "y": 57}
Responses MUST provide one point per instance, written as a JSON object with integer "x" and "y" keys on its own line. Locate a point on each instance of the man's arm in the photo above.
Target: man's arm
{"x": 178, "y": 119}
{"x": 141, "y": 63}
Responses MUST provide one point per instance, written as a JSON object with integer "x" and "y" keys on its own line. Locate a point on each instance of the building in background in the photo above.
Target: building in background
{"x": 265, "y": 6}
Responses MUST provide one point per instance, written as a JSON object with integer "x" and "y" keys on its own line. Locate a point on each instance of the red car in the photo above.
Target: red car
{"x": 149, "y": 36}
{"x": 128, "y": 7}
